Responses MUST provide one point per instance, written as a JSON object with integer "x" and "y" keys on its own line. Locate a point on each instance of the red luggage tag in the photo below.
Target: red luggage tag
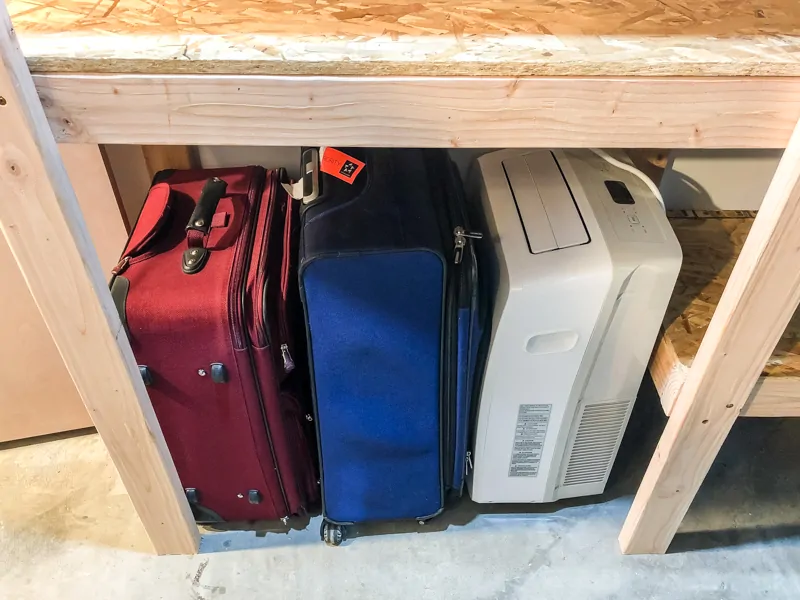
{"x": 337, "y": 163}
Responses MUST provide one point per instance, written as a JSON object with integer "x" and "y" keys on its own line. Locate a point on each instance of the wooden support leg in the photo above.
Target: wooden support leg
{"x": 759, "y": 299}
{"x": 42, "y": 222}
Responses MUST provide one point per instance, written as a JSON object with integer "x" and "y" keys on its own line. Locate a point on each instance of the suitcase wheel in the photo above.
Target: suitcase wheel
{"x": 332, "y": 534}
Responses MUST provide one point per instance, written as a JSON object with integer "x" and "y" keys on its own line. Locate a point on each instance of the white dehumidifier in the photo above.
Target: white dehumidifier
{"x": 584, "y": 264}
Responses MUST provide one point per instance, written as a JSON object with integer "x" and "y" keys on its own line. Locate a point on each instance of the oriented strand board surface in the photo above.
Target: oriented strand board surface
{"x": 711, "y": 243}
{"x": 442, "y": 37}
{"x": 710, "y": 248}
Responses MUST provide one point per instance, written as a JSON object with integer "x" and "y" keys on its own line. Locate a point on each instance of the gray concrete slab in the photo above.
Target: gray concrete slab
{"x": 740, "y": 540}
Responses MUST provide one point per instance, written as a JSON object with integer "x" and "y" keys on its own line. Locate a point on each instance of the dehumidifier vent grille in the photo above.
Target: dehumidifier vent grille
{"x": 595, "y": 443}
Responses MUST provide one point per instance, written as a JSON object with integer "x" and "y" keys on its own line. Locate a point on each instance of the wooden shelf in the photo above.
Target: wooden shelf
{"x": 430, "y": 38}
{"x": 711, "y": 242}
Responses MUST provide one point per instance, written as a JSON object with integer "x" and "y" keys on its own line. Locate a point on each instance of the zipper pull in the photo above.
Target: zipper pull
{"x": 288, "y": 363}
{"x": 121, "y": 265}
{"x": 460, "y": 235}
{"x": 468, "y": 466}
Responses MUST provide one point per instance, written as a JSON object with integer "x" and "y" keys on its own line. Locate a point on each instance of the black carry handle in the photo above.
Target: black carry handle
{"x": 213, "y": 190}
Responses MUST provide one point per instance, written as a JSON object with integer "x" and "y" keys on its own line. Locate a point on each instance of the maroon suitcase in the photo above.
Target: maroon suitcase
{"x": 202, "y": 287}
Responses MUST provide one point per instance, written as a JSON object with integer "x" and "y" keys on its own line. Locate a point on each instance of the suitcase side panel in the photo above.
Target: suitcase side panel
{"x": 293, "y": 456}
{"x": 269, "y": 331}
{"x": 375, "y": 348}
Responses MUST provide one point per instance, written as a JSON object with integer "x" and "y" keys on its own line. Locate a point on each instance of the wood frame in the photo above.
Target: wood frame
{"x": 43, "y": 225}
{"x": 45, "y": 229}
{"x": 760, "y": 297}
{"x": 681, "y": 112}
{"x": 30, "y": 366}
{"x": 770, "y": 396}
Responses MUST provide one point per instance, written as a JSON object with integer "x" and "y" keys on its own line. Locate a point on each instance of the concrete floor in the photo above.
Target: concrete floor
{"x": 67, "y": 531}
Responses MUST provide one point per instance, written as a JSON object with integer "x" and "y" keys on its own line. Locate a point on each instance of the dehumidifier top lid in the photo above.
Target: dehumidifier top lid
{"x": 547, "y": 210}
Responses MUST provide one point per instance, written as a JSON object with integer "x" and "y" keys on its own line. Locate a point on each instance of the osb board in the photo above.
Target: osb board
{"x": 711, "y": 242}
{"x": 434, "y": 37}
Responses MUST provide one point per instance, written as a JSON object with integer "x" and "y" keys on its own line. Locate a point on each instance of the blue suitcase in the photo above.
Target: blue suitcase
{"x": 388, "y": 279}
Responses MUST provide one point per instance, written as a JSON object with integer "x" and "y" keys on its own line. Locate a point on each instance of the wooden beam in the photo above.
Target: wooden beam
{"x": 774, "y": 397}
{"x": 158, "y": 158}
{"x": 770, "y": 396}
{"x": 759, "y": 299}
{"x": 478, "y": 112}
{"x": 43, "y": 225}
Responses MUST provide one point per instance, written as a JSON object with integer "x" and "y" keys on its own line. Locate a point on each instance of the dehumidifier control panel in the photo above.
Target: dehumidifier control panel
{"x": 632, "y": 222}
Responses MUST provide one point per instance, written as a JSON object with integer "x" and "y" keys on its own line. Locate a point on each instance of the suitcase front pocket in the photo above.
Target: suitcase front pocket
{"x": 153, "y": 220}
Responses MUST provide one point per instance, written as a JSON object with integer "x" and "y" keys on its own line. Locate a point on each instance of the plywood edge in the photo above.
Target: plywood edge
{"x": 436, "y": 39}
{"x": 180, "y": 63}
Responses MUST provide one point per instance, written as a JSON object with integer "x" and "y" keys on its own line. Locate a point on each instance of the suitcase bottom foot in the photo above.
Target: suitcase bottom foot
{"x": 332, "y": 534}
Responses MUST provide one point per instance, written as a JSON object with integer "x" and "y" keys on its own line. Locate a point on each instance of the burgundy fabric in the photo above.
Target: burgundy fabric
{"x": 153, "y": 216}
{"x": 180, "y": 324}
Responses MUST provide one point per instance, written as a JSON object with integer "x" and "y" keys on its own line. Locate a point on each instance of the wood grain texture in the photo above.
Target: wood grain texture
{"x": 711, "y": 243}
{"x": 38, "y": 396}
{"x": 759, "y": 299}
{"x": 421, "y": 112}
{"x": 88, "y": 174}
{"x": 158, "y": 158}
{"x": 391, "y": 37}
{"x": 131, "y": 175}
{"x": 45, "y": 230}
{"x": 774, "y": 397}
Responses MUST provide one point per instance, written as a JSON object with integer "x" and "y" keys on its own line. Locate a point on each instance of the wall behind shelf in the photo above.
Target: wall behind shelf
{"x": 690, "y": 179}
{"x": 718, "y": 179}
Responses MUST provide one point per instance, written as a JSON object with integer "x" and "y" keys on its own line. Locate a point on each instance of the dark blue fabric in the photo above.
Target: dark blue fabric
{"x": 375, "y": 331}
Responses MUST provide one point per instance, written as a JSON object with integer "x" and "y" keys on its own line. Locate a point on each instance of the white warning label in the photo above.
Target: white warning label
{"x": 529, "y": 437}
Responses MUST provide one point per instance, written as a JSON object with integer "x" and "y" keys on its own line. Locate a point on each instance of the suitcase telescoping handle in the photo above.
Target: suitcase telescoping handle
{"x": 195, "y": 256}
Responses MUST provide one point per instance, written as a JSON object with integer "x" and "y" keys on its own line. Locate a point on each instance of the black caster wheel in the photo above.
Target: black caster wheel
{"x": 332, "y": 534}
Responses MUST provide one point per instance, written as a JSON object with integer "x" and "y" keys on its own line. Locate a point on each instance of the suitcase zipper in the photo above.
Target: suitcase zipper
{"x": 262, "y": 281}
{"x": 288, "y": 362}
{"x": 460, "y": 236}
{"x": 239, "y": 332}
{"x": 286, "y": 356}
{"x": 240, "y": 261}
{"x": 454, "y": 218}
{"x": 128, "y": 260}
